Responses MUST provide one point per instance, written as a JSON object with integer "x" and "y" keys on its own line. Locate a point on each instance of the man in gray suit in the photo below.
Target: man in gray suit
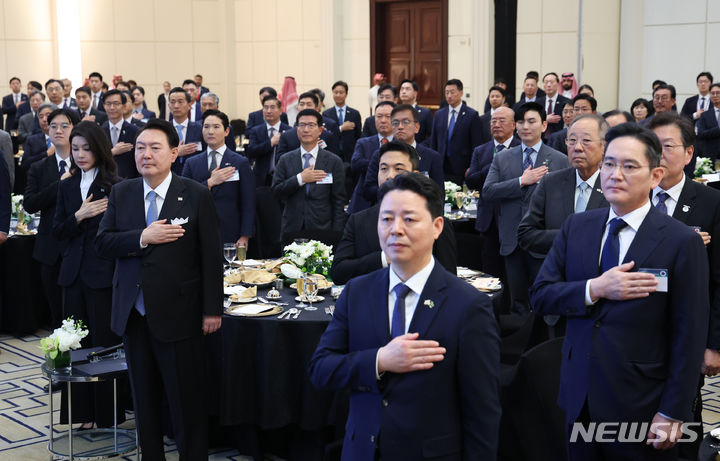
{"x": 310, "y": 181}
{"x": 26, "y": 123}
{"x": 513, "y": 177}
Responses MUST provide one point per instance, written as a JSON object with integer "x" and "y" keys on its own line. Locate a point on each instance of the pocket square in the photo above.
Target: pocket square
{"x": 179, "y": 221}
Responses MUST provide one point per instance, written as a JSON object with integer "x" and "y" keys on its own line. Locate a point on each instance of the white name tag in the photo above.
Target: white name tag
{"x": 661, "y": 275}
{"x": 328, "y": 179}
{"x": 234, "y": 177}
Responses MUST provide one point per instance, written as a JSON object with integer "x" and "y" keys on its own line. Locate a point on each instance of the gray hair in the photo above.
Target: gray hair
{"x": 47, "y": 105}
{"x": 603, "y": 126}
{"x": 210, "y": 94}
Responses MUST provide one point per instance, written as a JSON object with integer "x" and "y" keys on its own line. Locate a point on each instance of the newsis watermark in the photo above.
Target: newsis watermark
{"x": 612, "y": 432}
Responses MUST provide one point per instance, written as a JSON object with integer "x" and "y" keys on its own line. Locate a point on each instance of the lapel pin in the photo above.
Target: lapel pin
{"x": 179, "y": 199}
{"x": 599, "y": 190}
{"x": 685, "y": 208}
{"x": 429, "y": 303}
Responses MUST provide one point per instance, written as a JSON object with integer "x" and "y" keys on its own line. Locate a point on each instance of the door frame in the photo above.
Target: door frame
{"x": 376, "y": 58}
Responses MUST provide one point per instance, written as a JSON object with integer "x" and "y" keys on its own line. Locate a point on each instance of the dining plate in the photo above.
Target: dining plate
{"x": 242, "y": 311}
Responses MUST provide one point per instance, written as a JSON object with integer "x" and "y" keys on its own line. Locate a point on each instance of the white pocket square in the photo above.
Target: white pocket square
{"x": 179, "y": 221}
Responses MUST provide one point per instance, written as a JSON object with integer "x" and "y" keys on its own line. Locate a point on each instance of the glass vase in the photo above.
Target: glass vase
{"x": 61, "y": 362}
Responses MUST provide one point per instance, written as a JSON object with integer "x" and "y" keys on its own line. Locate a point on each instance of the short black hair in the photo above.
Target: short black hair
{"x": 128, "y": 96}
{"x": 310, "y": 113}
{"x": 311, "y": 95}
{"x": 411, "y": 82}
{"x": 528, "y": 107}
{"x": 35, "y": 85}
{"x": 105, "y": 86}
{"x": 585, "y": 86}
{"x": 95, "y": 74}
{"x": 658, "y": 82}
{"x": 387, "y": 86}
{"x": 532, "y": 74}
{"x": 269, "y": 90}
{"x": 42, "y": 95}
{"x": 189, "y": 81}
{"x": 653, "y": 149}
{"x": 84, "y": 89}
{"x": 14, "y": 78}
{"x": 198, "y": 75}
{"x": 421, "y": 185}
{"x": 54, "y": 80}
{"x": 715, "y": 85}
{"x": 647, "y": 104}
{"x": 406, "y": 107}
{"x": 177, "y": 89}
{"x": 704, "y": 74}
{"x": 496, "y": 88}
{"x": 663, "y": 86}
{"x": 216, "y": 113}
{"x": 140, "y": 89}
{"x": 385, "y": 103}
{"x": 399, "y": 146}
{"x": 114, "y": 92}
{"x": 585, "y": 97}
{"x": 123, "y": 83}
{"x": 687, "y": 131}
{"x": 70, "y": 114}
{"x": 454, "y": 81}
{"x": 628, "y": 116}
{"x": 271, "y": 98}
{"x": 320, "y": 95}
{"x": 164, "y": 126}
{"x": 552, "y": 73}
{"x": 342, "y": 84}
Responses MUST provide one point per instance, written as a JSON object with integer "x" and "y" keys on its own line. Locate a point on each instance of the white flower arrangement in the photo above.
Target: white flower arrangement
{"x": 703, "y": 165}
{"x": 312, "y": 257}
{"x": 18, "y": 212}
{"x": 450, "y": 189}
{"x": 67, "y": 337}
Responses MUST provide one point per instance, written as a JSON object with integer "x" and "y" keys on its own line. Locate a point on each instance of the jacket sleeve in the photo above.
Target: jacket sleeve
{"x": 533, "y": 234}
{"x": 370, "y": 184}
{"x": 346, "y": 263}
{"x": 111, "y": 242}
{"x": 39, "y": 196}
{"x": 496, "y": 187}
{"x": 284, "y": 184}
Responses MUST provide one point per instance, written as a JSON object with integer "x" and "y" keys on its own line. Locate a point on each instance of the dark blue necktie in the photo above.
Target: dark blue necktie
{"x": 660, "y": 206}
{"x": 61, "y": 168}
{"x": 306, "y": 165}
{"x": 611, "y": 250}
{"x": 451, "y": 128}
{"x": 499, "y": 147}
{"x": 398, "y": 321}
{"x": 527, "y": 162}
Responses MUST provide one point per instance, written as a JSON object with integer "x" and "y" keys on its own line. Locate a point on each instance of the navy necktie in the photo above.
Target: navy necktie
{"x": 611, "y": 250}
{"x": 527, "y": 162}
{"x": 451, "y": 128}
{"x": 398, "y": 321}
{"x": 661, "y": 207}
{"x": 61, "y": 169}
{"x": 306, "y": 165}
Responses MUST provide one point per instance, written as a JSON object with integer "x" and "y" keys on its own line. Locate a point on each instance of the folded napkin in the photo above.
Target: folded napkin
{"x": 486, "y": 283}
{"x": 257, "y": 276}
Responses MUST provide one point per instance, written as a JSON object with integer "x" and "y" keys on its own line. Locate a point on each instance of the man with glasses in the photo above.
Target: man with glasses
{"x": 329, "y": 131}
{"x": 708, "y": 128}
{"x": 310, "y": 181}
{"x": 120, "y": 133}
{"x": 633, "y": 284}
{"x": 189, "y": 132}
{"x": 663, "y": 101}
{"x": 264, "y": 140}
{"x": 580, "y": 105}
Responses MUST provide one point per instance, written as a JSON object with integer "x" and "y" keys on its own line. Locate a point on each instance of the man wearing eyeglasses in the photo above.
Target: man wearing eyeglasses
{"x": 310, "y": 181}
{"x": 580, "y": 105}
{"x": 120, "y": 133}
{"x": 633, "y": 284}
{"x": 663, "y": 101}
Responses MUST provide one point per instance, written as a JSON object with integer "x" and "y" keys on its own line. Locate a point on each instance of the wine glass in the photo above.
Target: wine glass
{"x": 300, "y": 287}
{"x": 241, "y": 253}
{"x": 311, "y": 289}
{"x": 229, "y": 252}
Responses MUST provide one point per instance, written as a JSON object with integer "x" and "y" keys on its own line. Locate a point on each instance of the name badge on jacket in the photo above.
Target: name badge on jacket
{"x": 328, "y": 179}
{"x": 661, "y": 275}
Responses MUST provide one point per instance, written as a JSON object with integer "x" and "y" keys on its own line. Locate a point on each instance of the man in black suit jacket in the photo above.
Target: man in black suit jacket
{"x": 27, "y": 121}
{"x": 329, "y": 136}
{"x": 263, "y": 148}
{"x": 155, "y": 226}
{"x": 456, "y": 132}
{"x": 11, "y": 103}
{"x": 358, "y": 252}
{"x": 83, "y": 97}
{"x": 38, "y": 146}
{"x": 163, "y": 102}
{"x": 310, "y": 181}
{"x": 503, "y": 126}
{"x": 496, "y": 98}
{"x": 120, "y": 133}
{"x": 696, "y": 105}
{"x": 531, "y": 92}
{"x": 553, "y": 102}
{"x": 190, "y": 133}
{"x": 386, "y": 92}
{"x": 256, "y": 117}
{"x": 708, "y": 131}
{"x": 408, "y": 95}
{"x": 347, "y": 119}
{"x": 697, "y": 206}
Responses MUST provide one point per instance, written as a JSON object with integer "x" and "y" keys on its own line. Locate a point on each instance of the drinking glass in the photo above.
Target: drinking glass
{"x": 229, "y": 252}
{"x": 310, "y": 289}
{"x": 241, "y": 252}
{"x": 300, "y": 287}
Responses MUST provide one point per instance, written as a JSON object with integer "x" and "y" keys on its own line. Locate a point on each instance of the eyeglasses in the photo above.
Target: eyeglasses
{"x": 403, "y": 122}
{"x": 663, "y": 97}
{"x": 585, "y": 142}
{"x": 628, "y": 169}
{"x": 63, "y": 126}
{"x": 112, "y": 104}
{"x": 302, "y": 126}
{"x": 670, "y": 147}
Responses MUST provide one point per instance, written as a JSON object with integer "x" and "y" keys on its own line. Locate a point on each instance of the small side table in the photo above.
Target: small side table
{"x": 89, "y": 444}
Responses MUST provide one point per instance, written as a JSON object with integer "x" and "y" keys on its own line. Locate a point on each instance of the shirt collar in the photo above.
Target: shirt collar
{"x": 590, "y": 181}
{"x": 340, "y": 107}
{"x": 117, "y": 125}
{"x": 88, "y": 176}
{"x": 58, "y": 159}
{"x": 161, "y": 189}
{"x": 380, "y": 138}
{"x": 313, "y": 152}
{"x": 506, "y": 143}
{"x": 673, "y": 192}
{"x": 417, "y": 282}
{"x": 536, "y": 147}
{"x": 184, "y": 124}
{"x": 276, "y": 126}
{"x": 633, "y": 219}
{"x": 220, "y": 150}
{"x": 457, "y": 108}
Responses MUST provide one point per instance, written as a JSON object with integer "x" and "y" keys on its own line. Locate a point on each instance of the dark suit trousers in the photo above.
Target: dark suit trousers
{"x": 93, "y": 401}
{"x": 53, "y": 293}
{"x": 521, "y": 269}
{"x": 175, "y": 370}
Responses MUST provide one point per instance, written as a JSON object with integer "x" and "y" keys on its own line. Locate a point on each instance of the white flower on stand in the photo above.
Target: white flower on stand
{"x": 65, "y": 338}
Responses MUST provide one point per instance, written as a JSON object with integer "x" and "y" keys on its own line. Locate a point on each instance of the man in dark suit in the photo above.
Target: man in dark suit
{"x": 695, "y": 105}
{"x": 211, "y": 101}
{"x": 553, "y": 103}
{"x": 416, "y": 347}
{"x": 83, "y": 96}
{"x": 512, "y": 179}
{"x": 405, "y": 122}
{"x": 38, "y": 145}
{"x": 358, "y": 252}
{"x": 256, "y": 118}
{"x": 120, "y": 133}
{"x": 408, "y": 95}
{"x": 698, "y": 206}
{"x": 68, "y": 101}
{"x": 127, "y": 112}
{"x": 190, "y": 133}
{"x": 456, "y": 132}
{"x": 347, "y": 119}
{"x": 310, "y": 181}
{"x": 329, "y": 136}
{"x": 708, "y": 131}
{"x": 633, "y": 284}
{"x": 7, "y": 155}
{"x": 95, "y": 82}
{"x": 12, "y": 102}
{"x": 531, "y": 93}
{"x": 386, "y": 92}
{"x": 264, "y": 140}
{"x": 28, "y": 123}
{"x": 496, "y": 97}
{"x": 502, "y": 124}
{"x": 194, "y": 110}
{"x": 156, "y": 226}
{"x": 139, "y": 109}
{"x": 201, "y": 89}
{"x": 228, "y": 176}
{"x": 164, "y": 102}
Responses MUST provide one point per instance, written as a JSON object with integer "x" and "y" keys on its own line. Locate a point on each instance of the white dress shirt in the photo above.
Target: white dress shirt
{"x": 457, "y": 112}
{"x": 218, "y": 157}
{"x": 506, "y": 144}
{"x": 86, "y": 180}
{"x": 95, "y": 99}
{"x": 184, "y": 126}
{"x": 590, "y": 182}
{"x": 674, "y": 196}
{"x": 58, "y": 159}
{"x": 547, "y": 103}
{"x": 314, "y": 153}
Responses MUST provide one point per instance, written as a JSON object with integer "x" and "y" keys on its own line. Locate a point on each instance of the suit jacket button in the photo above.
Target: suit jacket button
{"x": 597, "y": 324}
{"x": 385, "y": 402}
{"x": 372, "y": 439}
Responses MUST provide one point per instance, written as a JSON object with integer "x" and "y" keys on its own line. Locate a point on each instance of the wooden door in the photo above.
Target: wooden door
{"x": 410, "y": 41}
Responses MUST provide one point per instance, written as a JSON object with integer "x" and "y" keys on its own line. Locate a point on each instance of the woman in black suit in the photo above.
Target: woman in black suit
{"x": 86, "y": 277}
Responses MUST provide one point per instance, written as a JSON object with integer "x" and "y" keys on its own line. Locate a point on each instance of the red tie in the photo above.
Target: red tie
{"x": 384, "y": 141}
{"x": 549, "y": 109}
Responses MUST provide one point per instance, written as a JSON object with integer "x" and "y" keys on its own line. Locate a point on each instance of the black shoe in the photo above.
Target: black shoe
{"x": 56, "y": 386}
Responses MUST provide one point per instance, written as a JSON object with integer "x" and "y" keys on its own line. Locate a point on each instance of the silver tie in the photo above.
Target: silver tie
{"x": 582, "y": 199}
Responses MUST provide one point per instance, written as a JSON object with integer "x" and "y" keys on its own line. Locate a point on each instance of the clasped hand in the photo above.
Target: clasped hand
{"x": 407, "y": 353}
{"x": 159, "y": 232}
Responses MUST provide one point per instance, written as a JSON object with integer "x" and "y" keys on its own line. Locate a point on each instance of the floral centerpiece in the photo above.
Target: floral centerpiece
{"x": 451, "y": 190}
{"x": 311, "y": 257}
{"x": 703, "y": 165}
{"x": 19, "y": 214}
{"x": 57, "y": 346}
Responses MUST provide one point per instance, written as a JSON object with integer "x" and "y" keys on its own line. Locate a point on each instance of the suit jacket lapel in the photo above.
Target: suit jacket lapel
{"x": 591, "y": 257}
{"x": 173, "y": 200}
{"x": 138, "y": 212}
{"x": 425, "y": 313}
{"x": 685, "y": 203}
{"x": 646, "y": 239}
{"x": 597, "y": 198}
{"x": 380, "y": 308}
{"x": 569, "y": 195}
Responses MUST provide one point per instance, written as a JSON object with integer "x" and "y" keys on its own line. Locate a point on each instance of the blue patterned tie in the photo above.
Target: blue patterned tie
{"x": 306, "y": 165}
{"x": 179, "y": 131}
{"x": 611, "y": 250}
{"x": 398, "y": 321}
{"x": 341, "y": 116}
{"x": 451, "y": 128}
{"x": 527, "y": 162}
{"x": 582, "y": 199}
{"x": 152, "y": 216}
{"x": 498, "y": 148}
{"x": 661, "y": 207}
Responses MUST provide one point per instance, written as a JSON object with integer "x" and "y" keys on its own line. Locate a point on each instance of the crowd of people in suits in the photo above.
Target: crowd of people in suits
{"x": 579, "y": 212}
